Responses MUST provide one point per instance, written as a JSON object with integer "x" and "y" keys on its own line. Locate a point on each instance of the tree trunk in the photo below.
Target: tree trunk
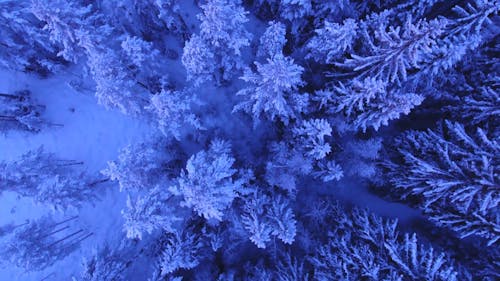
{"x": 94, "y": 183}
{"x": 66, "y": 220}
{"x": 55, "y": 231}
{"x": 14, "y": 97}
{"x": 65, "y": 238}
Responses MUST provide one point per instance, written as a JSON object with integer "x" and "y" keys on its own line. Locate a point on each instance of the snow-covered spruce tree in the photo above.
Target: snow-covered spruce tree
{"x": 370, "y": 103}
{"x": 295, "y": 9}
{"x": 273, "y": 40}
{"x": 305, "y": 153}
{"x": 286, "y": 164}
{"x": 104, "y": 265}
{"x": 41, "y": 243}
{"x": 396, "y": 64}
{"x": 179, "y": 251}
{"x": 475, "y": 96}
{"x": 63, "y": 20}
{"x": 139, "y": 53}
{"x": 198, "y": 59}
{"x": 173, "y": 111}
{"x": 297, "y": 14}
{"x": 273, "y": 91}
{"x": 145, "y": 63}
{"x": 309, "y": 139}
{"x": 364, "y": 246}
{"x": 359, "y": 157}
{"x": 115, "y": 85}
{"x": 483, "y": 105}
{"x": 20, "y": 111}
{"x": 332, "y": 41}
{"x": 285, "y": 267}
{"x": 151, "y": 19}
{"x": 328, "y": 171}
{"x": 290, "y": 268}
{"x": 221, "y": 40}
{"x": 418, "y": 48}
{"x": 210, "y": 183}
{"x": 454, "y": 177}
{"x": 336, "y": 11}
{"x": 470, "y": 27}
{"x": 142, "y": 166}
{"x": 310, "y": 136}
{"x": 265, "y": 217}
{"x": 24, "y": 46}
{"x": 148, "y": 213}
{"x": 48, "y": 180}
{"x": 395, "y": 51}
{"x": 122, "y": 75}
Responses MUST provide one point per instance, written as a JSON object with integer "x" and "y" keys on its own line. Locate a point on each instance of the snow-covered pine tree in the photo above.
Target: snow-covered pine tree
{"x": 328, "y": 171}
{"x": 198, "y": 59}
{"x": 116, "y": 86}
{"x": 359, "y": 157}
{"x": 394, "y": 51}
{"x": 20, "y": 111}
{"x": 398, "y": 63}
{"x": 152, "y": 212}
{"x": 285, "y": 165}
{"x": 64, "y": 21}
{"x": 291, "y": 268}
{"x": 273, "y": 90}
{"x": 142, "y": 166}
{"x": 173, "y": 111}
{"x": 310, "y": 136}
{"x": 306, "y": 153}
{"x": 296, "y": 13}
{"x": 371, "y": 103}
{"x": 336, "y": 11}
{"x": 273, "y": 40}
{"x": 222, "y": 26}
{"x": 332, "y": 41}
{"x": 169, "y": 13}
{"x": 282, "y": 220}
{"x": 42, "y": 243}
{"x": 454, "y": 176}
{"x": 295, "y": 9}
{"x": 150, "y": 19}
{"x": 221, "y": 40}
{"x": 210, "y": 183}
{"x": 121, "y": 74}
{"x": 362, "y": 245}
{"x": 470, "y": 27}
{"x": 482, "y": 106}
{"x": 417, "y": 48}
{"x": 104, "y": 265}
{"x": 138, "y": 53}
{"x": 265, "y": 217}
{"x": 475, "y": 94}
{"x": 179, "y": 251}
{"x": 24, "y": 46}
{"x": 48, "y": 180}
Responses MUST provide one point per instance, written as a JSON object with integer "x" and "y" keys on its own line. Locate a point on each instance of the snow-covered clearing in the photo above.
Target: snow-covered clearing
{"x": 89, "y": 133}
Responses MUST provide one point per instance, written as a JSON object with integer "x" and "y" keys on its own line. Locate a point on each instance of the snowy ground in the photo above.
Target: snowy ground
{"x": 91, "y": 134}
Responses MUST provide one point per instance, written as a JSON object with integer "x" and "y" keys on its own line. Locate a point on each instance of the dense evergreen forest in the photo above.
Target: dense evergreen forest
{"x": 286, "y": 140}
